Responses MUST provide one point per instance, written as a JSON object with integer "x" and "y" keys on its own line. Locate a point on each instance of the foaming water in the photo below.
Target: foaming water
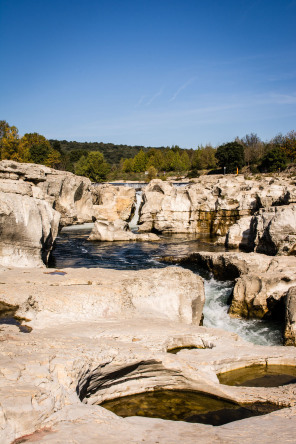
{"x": 75, "y": 251}
{"x": 215, "y": 315}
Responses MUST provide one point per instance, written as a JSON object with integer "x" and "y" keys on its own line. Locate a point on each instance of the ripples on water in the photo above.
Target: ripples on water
{"x": 75, "y": 251}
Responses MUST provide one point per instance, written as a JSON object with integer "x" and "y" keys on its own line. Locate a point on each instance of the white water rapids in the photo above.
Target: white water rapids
{"x": 73, "y": 250}
{"x": 215, "y": 315}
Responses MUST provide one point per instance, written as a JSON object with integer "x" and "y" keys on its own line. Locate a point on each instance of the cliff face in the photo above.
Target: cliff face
{"x": 211, "y": 204}
{"x": 34, "y": 202}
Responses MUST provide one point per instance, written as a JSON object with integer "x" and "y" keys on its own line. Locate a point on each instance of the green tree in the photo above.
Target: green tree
{"x": 140, "y": 162}
{"x": 37, "y": 149}
{"x": 93, "y": 166}
{"x": 152, "y": 173}
{"x": 273, "y": 160}
{"x": 204, "y": 158}
{"x": 53, "y": 159}
{"x": 127, "y": 165}
{"x": 231, "y": 156}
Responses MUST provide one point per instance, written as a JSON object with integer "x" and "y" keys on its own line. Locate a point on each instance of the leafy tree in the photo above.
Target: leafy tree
{"x": 204, "y": 158}
{"x": 39, "y": 153}
{"x": 140, "y": 162}
{"x": 93, "y": 166}
{"x": 127, "y": 165}
{"x": 185, "y": 161}
{"x": 152, "y": 173}
{"x": 231, "y": 156}
{"x": 289, "y": 145}
{"x": 274, "y": 160}
{"x": 53, "y": 158}
{"x": 9, "y": 142}
{"x": 155, "y": 158}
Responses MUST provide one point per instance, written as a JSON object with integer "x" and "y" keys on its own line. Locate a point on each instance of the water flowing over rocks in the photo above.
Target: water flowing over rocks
{"x": 100, "y": 334}
{"x": 262, "y": 284}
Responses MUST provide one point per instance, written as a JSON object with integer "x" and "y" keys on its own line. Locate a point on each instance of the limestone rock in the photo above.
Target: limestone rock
{"x": 290, "y": 312}
{"x": 212, "y": 204}
{"x": 79, "y": 354}
{"x": 74, "y": 294}
{"x": 118, "y": 230}
{"x": 113, "y": 202}
{"x": 240, "y": 235}
{"x": 28, "y": 228}
{"x": 275, "y": 229}
{"x": 67, "y": 193}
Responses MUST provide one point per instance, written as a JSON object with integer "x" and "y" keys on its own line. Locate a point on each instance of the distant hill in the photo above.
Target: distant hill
{"x": 112, "y": 153}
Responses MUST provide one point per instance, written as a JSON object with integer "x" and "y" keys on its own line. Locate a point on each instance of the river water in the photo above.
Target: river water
{"x": 74, "y": 250}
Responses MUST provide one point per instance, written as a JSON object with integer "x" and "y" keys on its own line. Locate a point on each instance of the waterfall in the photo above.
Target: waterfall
{"x": 133, "y": 225}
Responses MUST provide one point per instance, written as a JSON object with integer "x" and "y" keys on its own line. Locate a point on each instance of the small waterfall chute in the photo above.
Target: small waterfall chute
{"x": 133, "y": 225}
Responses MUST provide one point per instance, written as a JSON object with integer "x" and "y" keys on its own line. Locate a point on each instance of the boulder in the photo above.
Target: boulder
{"x": 275, "y": 230}
{"x": 117, "y": 230}
{"x": 68, "y": 194}
{"x": 113, "y": 202}
{"x": 28, "y": 228}
{"x": 240, "y": 235}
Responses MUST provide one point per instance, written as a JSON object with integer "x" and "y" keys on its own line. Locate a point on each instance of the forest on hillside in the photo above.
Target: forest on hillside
{"x": 105, "y": 161}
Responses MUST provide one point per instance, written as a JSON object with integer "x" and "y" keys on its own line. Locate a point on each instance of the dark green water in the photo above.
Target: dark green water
{"x": 186, "y": 406}
{"x": 260, "y": 376}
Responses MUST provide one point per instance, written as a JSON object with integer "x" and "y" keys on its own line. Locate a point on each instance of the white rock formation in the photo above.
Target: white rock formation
{"x": 211, "y": 204}
{"x": 79, "y": 354}
{"x": 34, "y": 202}
{"x": 118, "y": 230}
{"x": 66, "y": 193}
{"x": 112, "y": 202}
{"x": 290, "y": 321}
{"x": 28, "y": 225}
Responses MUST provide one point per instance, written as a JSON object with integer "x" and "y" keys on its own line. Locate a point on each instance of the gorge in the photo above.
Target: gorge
{"x": 105, "y": 314}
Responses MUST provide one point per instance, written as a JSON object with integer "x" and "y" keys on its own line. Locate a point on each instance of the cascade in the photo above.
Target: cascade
{"x": 133, "y": 225}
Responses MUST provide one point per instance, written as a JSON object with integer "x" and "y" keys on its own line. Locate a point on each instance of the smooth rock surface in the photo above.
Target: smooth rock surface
{"x": 113, "y": 202}
{"x": 118, "y": 230}
{"x": 77, "y": 355}
{"x": 28, "y": 226}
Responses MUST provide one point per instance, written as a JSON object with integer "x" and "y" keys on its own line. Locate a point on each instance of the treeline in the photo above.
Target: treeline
{"x": 101, "y": 162}
{"x": 112, "y": 153}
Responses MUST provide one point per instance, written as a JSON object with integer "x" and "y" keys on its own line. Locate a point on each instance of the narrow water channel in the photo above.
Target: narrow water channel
{"x": 74, "y": 250}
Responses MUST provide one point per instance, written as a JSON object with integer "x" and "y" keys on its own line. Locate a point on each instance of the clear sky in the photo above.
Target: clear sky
{"x": 149, "y": 72}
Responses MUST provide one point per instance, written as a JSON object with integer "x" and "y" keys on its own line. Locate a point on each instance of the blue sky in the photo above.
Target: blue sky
{"x": 146, "y": 72}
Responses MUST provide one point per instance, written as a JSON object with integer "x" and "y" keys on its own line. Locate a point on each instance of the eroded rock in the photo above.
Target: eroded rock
{"x": 118, "y": 230}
